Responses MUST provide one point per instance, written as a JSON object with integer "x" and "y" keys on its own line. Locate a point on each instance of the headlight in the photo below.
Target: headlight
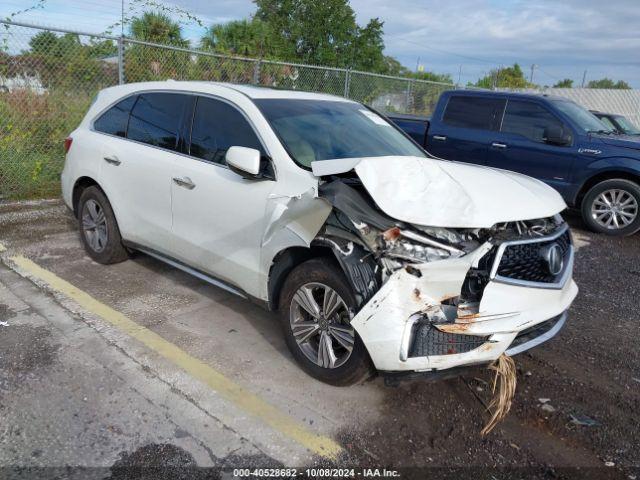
{"x": 411, "y": 246}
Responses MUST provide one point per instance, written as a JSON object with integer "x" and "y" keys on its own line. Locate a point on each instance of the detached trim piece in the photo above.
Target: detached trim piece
{"x": 540, "y": 339}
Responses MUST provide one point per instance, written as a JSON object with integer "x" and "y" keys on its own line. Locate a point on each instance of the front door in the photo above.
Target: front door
{"x": 520, "y": 145}
{"x": 218, "y": 216}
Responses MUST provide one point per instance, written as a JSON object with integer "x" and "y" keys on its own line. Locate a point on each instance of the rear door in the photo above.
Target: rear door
{"x": 520, "y": 144}
{"x": 136, "y": 171}
{"x": 463, "y": 132}
{"x": 218, "y": 216}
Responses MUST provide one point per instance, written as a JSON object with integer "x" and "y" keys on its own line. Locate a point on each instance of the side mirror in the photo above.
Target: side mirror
{"x": 556, "y": 135}
{"x": 244, "y": 161}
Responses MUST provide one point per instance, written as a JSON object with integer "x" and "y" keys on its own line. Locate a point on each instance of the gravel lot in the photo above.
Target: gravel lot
{"x": 587, "y": 424}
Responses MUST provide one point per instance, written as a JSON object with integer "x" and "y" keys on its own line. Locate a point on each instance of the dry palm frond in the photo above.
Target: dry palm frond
{"x": 505, "y": 382}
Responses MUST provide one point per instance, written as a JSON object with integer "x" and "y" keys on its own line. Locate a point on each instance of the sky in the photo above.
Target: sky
{"x": 465, "y": 38}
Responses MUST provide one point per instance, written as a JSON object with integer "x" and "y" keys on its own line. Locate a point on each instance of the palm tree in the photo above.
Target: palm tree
{"x": 248, "y": 38}
{"x": 157, "y": 28}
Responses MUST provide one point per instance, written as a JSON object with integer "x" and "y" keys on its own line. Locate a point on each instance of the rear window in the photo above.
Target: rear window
{"x": 114, "y": 121}
{"x": 473, "y": 112}
{"x": 156, "y": 119}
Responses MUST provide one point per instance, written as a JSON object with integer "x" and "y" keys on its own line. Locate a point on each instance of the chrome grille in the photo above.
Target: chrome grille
{"x": 524, "y": 261}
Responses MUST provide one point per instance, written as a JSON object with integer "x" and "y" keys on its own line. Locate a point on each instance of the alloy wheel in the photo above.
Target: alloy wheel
{"x": 319, "y": 320}
{"x": 614, "y": 209}
{"x": 94, "y": 225}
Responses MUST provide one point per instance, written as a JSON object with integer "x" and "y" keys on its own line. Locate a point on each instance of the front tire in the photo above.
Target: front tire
{"x": 612, "y": 207}
{"x": 316, "y": 303}
{"x": 99, "y": 230}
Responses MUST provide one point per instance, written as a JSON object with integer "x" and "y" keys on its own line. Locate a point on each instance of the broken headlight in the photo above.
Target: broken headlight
{"x": 415, "y": 247}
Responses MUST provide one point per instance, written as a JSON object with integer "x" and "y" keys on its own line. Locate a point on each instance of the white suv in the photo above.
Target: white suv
{"x": 376, "y": 255}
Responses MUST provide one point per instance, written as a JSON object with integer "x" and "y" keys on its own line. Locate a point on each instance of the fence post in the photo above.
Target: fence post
{"x": 121, "y": 60}
{"x": 347, "y": 81}
{"x": 256, "y": 72}
{"x": 408, "y": 96}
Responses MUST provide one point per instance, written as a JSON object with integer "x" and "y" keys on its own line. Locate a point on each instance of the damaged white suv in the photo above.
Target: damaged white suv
{"x": 375, "y": 254}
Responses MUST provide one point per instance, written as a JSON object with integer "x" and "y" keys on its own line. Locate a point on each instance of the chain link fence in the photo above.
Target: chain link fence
{"x": 47, "y": 82}
{"x": 48, "y": 78}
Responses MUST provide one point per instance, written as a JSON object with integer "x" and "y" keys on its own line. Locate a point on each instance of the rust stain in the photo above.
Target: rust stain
{"x": 454, "y": 327}
{"x": 468, "y": 318}
{"x": 416, "y": 294}
{"x": 391, "y": 235}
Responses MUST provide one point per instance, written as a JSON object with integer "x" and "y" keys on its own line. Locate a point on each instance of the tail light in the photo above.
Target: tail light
{"x": 67, "y": 144}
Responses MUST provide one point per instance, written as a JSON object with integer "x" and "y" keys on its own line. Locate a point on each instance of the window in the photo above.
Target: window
{"x": 528, "y": 119}
{"x": 313, "y": 130}
{"x": 473, "y": 112}
{"x": 218, "y": 126}
{"x": 607, "y": 122}
{"x": 626, "y": 126}
{"x": 156, "y": 119}
{"x": 114, "y": 121}
{"x": 414, "y": 128}
{"x": 580, "y": 116}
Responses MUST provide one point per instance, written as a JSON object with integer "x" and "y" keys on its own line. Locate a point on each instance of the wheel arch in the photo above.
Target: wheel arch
{"x": 285, "y": 261}
{"x": 601, "y": 177}
{"x": 354, "y": 261}
{"x": 79, "y": 186}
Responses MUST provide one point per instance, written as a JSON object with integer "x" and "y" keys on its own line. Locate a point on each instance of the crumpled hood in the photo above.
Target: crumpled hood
{"x": 442, "y": 193}
{"x": 624, "y": 141}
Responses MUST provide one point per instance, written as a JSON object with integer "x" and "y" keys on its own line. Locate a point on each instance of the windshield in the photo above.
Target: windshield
{"x": 626, "y": 126}
{"x": 325, "y": 130}
{"x": 582, "y": 117}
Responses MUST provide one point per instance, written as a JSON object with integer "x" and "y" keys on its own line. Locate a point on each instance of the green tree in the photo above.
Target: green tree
{"x": 566, "y": 83}
{"x": 506, "y": 77}
{"x": 432, "y": 77}
{"x": 323, "y": 33}
{"x": 43, "y": 42}
{"x": 609, "y": 84}
{"x": 368, "y": 46}
{"x": 249, "y": 38}
{"x": 157, "y": 28}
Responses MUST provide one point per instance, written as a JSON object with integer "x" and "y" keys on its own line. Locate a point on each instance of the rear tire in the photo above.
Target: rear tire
{"x": 333, "y": 353}
{"x": 99, "y": 230}
{"x": 612, "y": 207}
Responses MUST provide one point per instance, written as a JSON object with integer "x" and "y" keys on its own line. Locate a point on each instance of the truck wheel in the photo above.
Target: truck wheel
{"x": 315, "y": 305}
{"x": 612, "y": 207}
{"x": 98, "y": 228}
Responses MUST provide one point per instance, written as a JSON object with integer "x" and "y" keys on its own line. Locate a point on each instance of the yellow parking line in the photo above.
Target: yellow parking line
{"x": 225, "y": 387}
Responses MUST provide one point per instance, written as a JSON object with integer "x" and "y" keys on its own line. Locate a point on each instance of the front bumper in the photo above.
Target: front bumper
{"x": 386, "y": 323}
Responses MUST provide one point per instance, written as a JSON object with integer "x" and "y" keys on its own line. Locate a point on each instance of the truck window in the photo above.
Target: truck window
{"x": 527, "y": 119}
{"x": 473, "y": 112}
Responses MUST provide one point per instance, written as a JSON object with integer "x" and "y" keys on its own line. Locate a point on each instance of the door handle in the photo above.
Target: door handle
{"x": 439, "y": 137}
{"x": 184, "y": 182}
{"x": 112, "y": 160}
{"x": 499, "y": 145}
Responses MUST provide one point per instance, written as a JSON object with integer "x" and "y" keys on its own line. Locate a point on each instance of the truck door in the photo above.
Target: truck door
{"x": 465, "y": 128}
{"x": 521, "y": 144}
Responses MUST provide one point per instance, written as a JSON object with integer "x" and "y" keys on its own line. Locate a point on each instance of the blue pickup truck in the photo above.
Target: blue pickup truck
{"x": 552, "y": 139}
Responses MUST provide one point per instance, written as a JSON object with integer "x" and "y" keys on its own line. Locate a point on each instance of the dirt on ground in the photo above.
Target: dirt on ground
{"x": 576, "y": 412}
